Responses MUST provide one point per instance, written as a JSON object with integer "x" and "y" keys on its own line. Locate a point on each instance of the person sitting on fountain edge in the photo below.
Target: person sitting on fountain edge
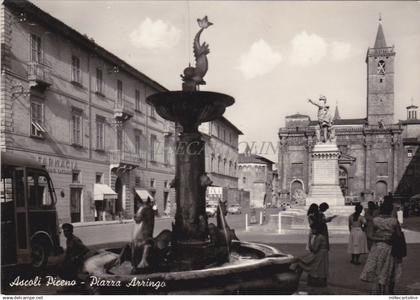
{"x": 316, "y": 262}
{"x": 75, "y": 255}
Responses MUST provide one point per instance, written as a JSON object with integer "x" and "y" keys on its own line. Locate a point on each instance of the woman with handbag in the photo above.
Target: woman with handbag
{"x": 382, "y": 268}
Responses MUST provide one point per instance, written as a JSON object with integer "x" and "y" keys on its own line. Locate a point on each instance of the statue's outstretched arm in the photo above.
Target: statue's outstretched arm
{"x": 316, "y": 104}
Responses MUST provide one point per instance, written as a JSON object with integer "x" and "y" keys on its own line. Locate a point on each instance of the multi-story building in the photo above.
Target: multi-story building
{"x": 256, "y": 176}
{"x": 221, "y": 151}
{"x": 378, "y": 156}
{"x": 81, "y": 111}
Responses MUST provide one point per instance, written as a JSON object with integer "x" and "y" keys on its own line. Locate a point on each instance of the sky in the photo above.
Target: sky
{"x": 271, "y": 56}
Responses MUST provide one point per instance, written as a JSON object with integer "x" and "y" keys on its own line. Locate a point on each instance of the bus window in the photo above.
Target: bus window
{"x": 43, "y": 191}
{"x": 39, "y": 190}
{"x": 32, "y": 195}
{"x": 6, "y": 190}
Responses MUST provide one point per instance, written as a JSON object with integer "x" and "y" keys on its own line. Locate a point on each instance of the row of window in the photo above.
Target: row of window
{"x": 99, "y": 179}
{"x": 37, "y": 130}
{"x": 223, "y": 166}
{"x": 225, "y": 135}
{"x": 76, "y": 75}
{"x": 76, "y": 174}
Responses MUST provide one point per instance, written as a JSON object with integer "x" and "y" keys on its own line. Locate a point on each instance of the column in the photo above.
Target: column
{"x": 190, "y": 194}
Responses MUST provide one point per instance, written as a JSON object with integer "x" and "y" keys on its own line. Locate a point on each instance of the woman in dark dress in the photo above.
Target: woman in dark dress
{"x": 313, "y": 216}
{"x": 314, "y": 263}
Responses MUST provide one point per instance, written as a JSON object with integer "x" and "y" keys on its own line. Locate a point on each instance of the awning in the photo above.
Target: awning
{"x": 144, "y": 194}
{"x": 415, "y": 197}
{"x": 103, "y": 192}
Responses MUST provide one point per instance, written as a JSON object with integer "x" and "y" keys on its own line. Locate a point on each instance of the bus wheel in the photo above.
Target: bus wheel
{"x": 39, "y": 254}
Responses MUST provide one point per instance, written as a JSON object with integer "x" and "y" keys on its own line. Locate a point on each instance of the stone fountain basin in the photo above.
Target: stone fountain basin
{"x": 260, "y": 269}
{"x": 186, "y": 107}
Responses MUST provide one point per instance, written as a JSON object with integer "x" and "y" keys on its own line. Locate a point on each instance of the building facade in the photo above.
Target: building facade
{"x": 221, "y": 159}
{"x": 378, "y": 155}
{"x": 256, "y": 176}
{"x": 81, "y": 111}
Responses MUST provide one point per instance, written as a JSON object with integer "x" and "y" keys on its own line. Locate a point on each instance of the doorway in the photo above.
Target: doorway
{"x": 75, "y": 201}
{"x": 381, "y": 190}
{"x": 297, "y": 194}
{"x": 343, "y": 180}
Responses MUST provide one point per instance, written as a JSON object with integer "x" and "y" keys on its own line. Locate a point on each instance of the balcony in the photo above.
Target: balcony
{"x": 39, "y": 76}
{"x": 123, "y": 111}
{"x": 124, "y": 161}
{"x": 167, "y": 130}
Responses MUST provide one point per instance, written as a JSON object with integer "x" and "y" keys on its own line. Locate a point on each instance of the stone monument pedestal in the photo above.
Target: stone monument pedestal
{"x": 325, "y": 186}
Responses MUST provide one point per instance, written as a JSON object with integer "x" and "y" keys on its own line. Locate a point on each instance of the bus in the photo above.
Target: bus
{"x": 29, "y": 223}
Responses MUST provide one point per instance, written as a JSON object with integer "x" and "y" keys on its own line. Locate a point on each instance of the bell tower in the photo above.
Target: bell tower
{"x": 380, "y": 81}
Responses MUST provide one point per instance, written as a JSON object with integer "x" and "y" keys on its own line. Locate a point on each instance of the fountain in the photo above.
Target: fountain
{"x": 195, "y": 257}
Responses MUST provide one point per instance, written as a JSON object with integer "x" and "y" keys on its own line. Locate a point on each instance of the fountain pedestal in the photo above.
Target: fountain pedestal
{"x": 325, "y": 186}
{"x": 192, "y": 247}
{"x": 190, "y": 162}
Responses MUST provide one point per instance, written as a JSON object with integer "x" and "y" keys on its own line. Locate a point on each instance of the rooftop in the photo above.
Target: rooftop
{"x": 230, "y": 124}
{"x": 406, "y": 122}
{"x": 297, "y": 116}
{"x": 344, "y": 122}
{"x": 248, "y": 158}
{"x": 411, "y": 141}
{"x": 380, "y": 38}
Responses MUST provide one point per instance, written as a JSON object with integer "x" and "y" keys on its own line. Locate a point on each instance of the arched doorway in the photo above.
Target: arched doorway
{"x": 343, "y": 180}
{"x": 381, "y": 190}
{"x": 119, "y": 191}
{"x": 297, "y": 194}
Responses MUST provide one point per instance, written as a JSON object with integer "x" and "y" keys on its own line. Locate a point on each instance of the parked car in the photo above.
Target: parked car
{"x": 211, "y": 210}
{"x": 285, "y": 206}
{"x": 234, "y": 209}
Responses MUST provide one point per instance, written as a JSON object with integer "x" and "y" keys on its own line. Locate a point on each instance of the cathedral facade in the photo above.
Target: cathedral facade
{"x": 378, "y": 155}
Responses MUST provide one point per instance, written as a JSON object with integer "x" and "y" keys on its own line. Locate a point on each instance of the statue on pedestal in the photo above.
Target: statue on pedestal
{"x": 325, "y": 132}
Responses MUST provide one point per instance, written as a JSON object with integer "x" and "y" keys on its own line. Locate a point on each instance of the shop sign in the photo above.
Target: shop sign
{"x": 57, "y": 165}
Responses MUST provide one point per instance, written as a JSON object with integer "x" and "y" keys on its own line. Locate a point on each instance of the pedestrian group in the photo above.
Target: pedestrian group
{"x": 378, "y": 234}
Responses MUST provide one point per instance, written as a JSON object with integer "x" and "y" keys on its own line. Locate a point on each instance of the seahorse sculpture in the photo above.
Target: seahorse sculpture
{"x": 193, "y": 76}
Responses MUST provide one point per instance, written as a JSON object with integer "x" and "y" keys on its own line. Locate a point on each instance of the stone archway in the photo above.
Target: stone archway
{"x": 297, "y": 192}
